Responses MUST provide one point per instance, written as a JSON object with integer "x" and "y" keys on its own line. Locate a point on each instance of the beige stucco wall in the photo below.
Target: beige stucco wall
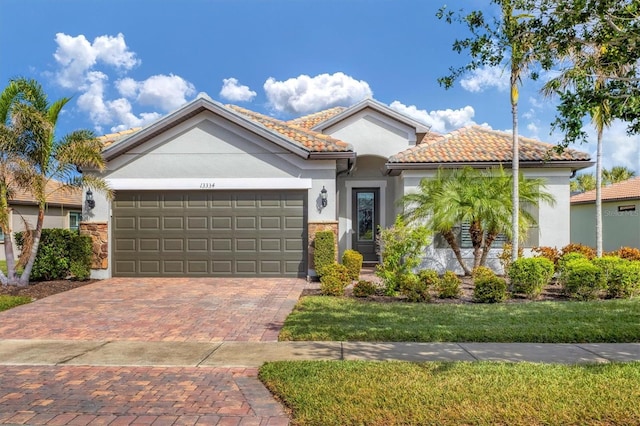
{"x": 619, "y": 228}
{"x": 55, "y": 217}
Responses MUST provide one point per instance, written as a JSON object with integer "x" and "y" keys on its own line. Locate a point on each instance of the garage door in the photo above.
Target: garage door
{"x": 209, "y": 233}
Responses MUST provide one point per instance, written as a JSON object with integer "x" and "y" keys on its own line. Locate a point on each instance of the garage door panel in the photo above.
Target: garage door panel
{"x": 215, "y": 233}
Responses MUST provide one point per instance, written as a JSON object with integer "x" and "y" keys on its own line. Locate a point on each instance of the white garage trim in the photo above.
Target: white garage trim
{"x": 209, "y": 183}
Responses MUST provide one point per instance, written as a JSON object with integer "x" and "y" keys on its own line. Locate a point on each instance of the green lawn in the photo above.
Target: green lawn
{"x": 480, "y": 393}
{"x": 344, "y": 319}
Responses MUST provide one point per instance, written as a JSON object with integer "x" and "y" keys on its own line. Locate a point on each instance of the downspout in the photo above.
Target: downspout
{"x": 349, "y": 169}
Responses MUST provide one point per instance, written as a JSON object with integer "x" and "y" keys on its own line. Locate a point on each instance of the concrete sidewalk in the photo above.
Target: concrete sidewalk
{"x": 253, "y": 354}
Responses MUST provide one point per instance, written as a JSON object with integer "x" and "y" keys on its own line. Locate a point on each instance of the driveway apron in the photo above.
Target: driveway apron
{"x": 147, "y": 310}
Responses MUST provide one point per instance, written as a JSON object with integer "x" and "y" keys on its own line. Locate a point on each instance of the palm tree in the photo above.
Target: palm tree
{"x": 616, "y": 174}
{"x": 481, "y": 198}
{"x": 37, "y": 157}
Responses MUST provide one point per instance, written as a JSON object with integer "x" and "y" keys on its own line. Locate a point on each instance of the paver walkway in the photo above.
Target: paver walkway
{"x": 146, "y": 310}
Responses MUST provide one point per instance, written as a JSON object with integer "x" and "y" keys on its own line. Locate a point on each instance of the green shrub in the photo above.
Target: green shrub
{"x": 324, "y": 253}
{"x": 353, "y": 261}
{"x": 334, "y": 280}
{"x": 61, "y": 253}
{"x": 402, "y": 248}
{"x": 430, "y": 277}
{"x": 567, "y": 258}
{"x": 489, "y": 289}
{"x": 623, "y": 280}
{"x": 364, "y": 288}
{"x": 414, "y": 288}
{"x": 581, "y": 279}
{"x": 607, "y": 264}
{"x": 482, "y": 272}
{"x": 530, "y": 275}
{"x": 449, "y": 286}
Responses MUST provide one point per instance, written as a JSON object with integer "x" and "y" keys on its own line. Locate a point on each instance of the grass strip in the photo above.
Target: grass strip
{"x": 8, "y": 302}
{"x": 344, "y": 319}
{"x": 479, "y": 393}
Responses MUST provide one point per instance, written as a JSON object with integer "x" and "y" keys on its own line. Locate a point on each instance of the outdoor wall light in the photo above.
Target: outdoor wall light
{"x": 323, "y": 196}
{"x": 91, "y": 203}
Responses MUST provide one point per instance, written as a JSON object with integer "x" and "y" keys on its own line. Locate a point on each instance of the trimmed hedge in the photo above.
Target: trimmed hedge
{"x": 352, "y": 259}
{"x": 324, "y": 253}
{"x": 529, "y": 275}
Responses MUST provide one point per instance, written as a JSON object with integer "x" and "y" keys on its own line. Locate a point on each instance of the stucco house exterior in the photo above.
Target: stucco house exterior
{"x": 218, "y": 190}
{"x": 620, "y": 216}
{"x": 64, "y": 210}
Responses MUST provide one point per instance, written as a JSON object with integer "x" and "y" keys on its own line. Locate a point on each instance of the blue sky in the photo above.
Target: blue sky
{"x": 125, "y": 63}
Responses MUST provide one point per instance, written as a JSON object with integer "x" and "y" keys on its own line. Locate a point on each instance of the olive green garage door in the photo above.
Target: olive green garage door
{"x": 209, "y": 233}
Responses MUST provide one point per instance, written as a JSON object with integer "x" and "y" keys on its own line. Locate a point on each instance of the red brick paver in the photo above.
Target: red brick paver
{"x": 159, "y": 309}
{"x": 73, "y": 395}
{"x": 172, "y": 309}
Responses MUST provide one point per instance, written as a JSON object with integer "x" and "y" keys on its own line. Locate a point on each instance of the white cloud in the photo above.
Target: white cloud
{"x": 85, "y": 66}
{"x": 236, "y": 92}
{"x": 167, "y": 92}
{"x": 618, "y": 148}
{"x": 441, "y": 121}
{"x": 304, "y": 94}
{"x": 486, "y": 78}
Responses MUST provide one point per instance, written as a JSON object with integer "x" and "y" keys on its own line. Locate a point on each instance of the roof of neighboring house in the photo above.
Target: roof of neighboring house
{"x": 478, "y": 144}
{"x": 625, "y": 190}
{"x": 57, "y": 195}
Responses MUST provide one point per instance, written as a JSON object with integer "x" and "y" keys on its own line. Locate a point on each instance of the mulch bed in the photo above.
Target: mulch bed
{"x": 42, "y": 289}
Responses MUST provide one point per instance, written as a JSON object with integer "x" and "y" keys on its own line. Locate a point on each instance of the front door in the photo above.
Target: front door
{"x": 365, "y": 222}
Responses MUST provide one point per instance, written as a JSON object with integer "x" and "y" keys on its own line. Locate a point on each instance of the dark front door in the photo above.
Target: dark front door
{"x": 365, "y": 222}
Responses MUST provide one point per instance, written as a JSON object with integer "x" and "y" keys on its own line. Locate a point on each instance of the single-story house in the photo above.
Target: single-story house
{"x": 64, "y": 210}
{"x": 620, "y": 216}
{"x": 218, "y": 190}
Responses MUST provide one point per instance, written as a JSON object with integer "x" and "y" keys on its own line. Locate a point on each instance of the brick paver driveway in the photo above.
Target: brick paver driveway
{"x": 179, "y": 310}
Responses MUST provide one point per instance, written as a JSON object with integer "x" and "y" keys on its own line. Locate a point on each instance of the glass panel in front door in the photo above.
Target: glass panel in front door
{"x": 366, "y": 216}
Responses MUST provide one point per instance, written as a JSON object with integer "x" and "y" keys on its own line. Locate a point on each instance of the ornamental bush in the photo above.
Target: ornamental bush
{"x": 334, "y": 280}
{"x": 567, "y": 258}
{"x": 607, "y": 264}
{"x": 623, "y": 280}
{"x": 353, "y": 261}
{"x": 364, "y": 288}
{"x": 582, "y": 280}
{"x": 629, "y": 253}
{"x": 588, "y": 252}
{"x": 62, "y": 253}
{"x": 414, "y": 288}
{"x": 324, "y": 253}
{"x": 551, "y": 253}
{"x": 489, "y": 289}
{"x": 448, "y": 287}
{"x": 530, "y": 275}
{"x": 430, "y": 277}
{"x": 401, "y": 247}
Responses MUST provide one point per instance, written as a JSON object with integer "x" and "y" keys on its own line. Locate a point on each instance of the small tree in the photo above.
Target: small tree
{"x": 401, "y": 248}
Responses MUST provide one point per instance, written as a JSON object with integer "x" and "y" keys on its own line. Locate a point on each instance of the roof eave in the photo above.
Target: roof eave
{"x": 396, "y": 168}
{"x": 608, "y": 200}
{"x": 340, "y": 155}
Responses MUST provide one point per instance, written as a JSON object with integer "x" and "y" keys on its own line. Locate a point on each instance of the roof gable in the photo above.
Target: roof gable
{"x": 372, "y": 104}
{"x": 477, "y": 144}
{"x": 57, "y": 194}
{"x": 625, "y": 190}
{"x": 302, "y": 142}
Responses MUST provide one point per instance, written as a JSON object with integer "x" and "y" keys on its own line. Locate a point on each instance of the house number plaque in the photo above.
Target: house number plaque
{"x": 207, "y": 185}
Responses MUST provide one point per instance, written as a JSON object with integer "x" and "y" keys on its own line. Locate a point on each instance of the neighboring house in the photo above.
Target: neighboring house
{"x": 64, "y": 210}
{"x": 220, "y": 190}
{"x": 620, "y": 216}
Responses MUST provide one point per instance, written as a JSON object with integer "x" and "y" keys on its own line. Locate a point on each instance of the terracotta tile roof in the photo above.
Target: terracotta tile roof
{"x": 305, "y": 138}
{"x": 312, "y": 120}
{"x": 111, "y": 138}
{"x": 476, "y": 144}
{"x": 625, "y": 190}
{"x": 430, "y": 136}
{"x": 56, "y": 195}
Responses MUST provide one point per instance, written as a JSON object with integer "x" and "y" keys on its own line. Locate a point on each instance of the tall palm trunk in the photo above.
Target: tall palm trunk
{"x": 37, "y": 233}
{"x": 599, "y": 193}
{"x": 450, "y": 238}
{"x": 515, "y": 170}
